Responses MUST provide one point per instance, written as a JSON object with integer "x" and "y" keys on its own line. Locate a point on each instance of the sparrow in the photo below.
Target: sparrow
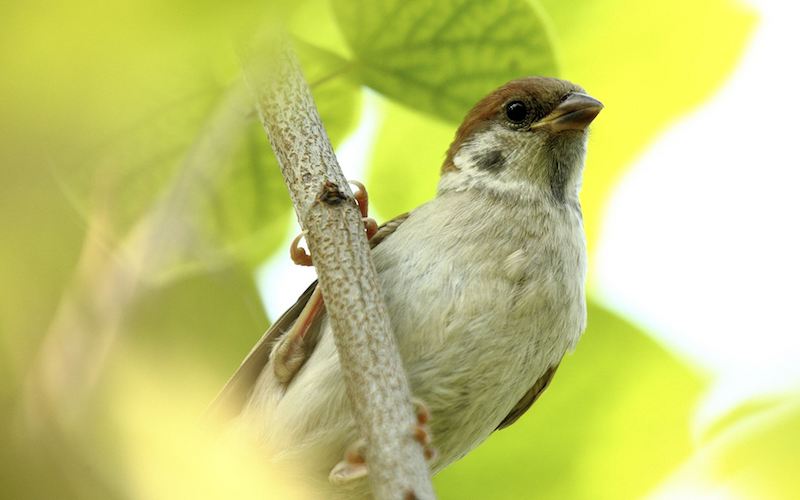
{"x": 484, "y": 287}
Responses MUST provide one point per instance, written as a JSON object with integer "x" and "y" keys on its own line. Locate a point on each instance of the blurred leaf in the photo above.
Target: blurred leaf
{"x": 181, "y": 341}
{"x": 47, "y": 468}
{"x": 594, "y": 433}
{"x": 154, "y": 156}
{"x": 42, "y": 239}
{"x": 245, "y": 211}
{"x": 183, "y": 456}
{"x": 224, "y": 185}
{"x": 126, "y": 111}
{"x": 246, "y": 214}
{"x": 741, "y": 412}
{"x": 140, "y": 434}
{"x": 650, "y": 63}
{"x": 406, "y": 159}
{"x": 314, "y": 23}
{"x": 132, "y": 165}
{"x": 213, "y": 319}
{"x": 755, "y": 458}
{"x": 441, "y": 57}
{"x": 114, "y": 94}
{"x": 338, "y": 100}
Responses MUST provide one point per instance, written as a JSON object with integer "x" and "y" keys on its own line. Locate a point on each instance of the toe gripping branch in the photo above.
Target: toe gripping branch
{"x": 290, "y": 353}
{"x": 354, "y": 464}
{"x": 299, "y": 254}
{"x": 362, "y": 200}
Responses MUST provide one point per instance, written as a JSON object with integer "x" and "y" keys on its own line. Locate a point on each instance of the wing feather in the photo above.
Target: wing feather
{"x": 529, "y": 398}
{"x": 232, "y": 397}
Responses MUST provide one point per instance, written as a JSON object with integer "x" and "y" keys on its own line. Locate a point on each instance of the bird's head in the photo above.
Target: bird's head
{"x": 528, "y": 136}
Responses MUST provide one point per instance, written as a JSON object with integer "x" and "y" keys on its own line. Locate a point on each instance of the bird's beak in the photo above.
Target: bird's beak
{"x": 576, "y": 112}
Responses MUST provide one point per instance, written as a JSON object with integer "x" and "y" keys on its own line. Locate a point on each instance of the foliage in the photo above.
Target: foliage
{"x": 129, "y": 140}
{"x": 440, "y": 57}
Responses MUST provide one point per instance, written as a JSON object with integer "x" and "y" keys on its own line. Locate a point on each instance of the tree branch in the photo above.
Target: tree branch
{"x": 376, "y": 382}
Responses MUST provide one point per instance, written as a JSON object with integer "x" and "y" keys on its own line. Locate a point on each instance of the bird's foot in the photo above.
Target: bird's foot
{"x": 300, "y": 255}
{"x": 421, "y": 432}
{"x": 292, "y": 349}
{"x": 354, "y": 464}
{"x": 361, "y": 197}
{"x": 371, "y": 226}
{"x": 362, "y": 201}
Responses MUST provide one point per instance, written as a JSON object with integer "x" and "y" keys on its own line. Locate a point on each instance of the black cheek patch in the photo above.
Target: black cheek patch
{"x": 493, "y": 160}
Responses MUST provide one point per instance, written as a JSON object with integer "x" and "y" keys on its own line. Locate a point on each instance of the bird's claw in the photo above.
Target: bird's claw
{"x": 421, "y": 432}
{"x": 361, "y": 197}
{"x": 298, "y": 253}
{"x": 353, "y": 466}
{"x": 371, "y": 226}
{"x": 362, "y": 201}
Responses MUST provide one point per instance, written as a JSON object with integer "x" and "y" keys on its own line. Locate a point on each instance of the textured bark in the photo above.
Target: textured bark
{"x": 376, "y": 382}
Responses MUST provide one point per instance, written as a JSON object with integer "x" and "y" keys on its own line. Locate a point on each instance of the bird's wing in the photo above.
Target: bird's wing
{"x": 386, "y": 229}
{"x": 233, "y": 395}
{"x": 231, "y": 398}
{"x": 529, "y": 398}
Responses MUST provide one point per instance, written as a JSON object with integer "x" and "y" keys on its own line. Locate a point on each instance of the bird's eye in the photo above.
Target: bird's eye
{"x": 516, "y": 111}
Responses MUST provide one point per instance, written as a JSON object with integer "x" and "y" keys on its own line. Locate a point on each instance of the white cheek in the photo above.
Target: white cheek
{"x": 505, "y": 180}
{"x": 464, "y": 160}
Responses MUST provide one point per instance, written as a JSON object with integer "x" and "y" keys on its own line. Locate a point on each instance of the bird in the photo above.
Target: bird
{"x": 484, "y": 285}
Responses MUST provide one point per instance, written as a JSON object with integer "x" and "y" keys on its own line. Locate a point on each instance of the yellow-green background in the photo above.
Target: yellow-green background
{"x": 138, "y": 196}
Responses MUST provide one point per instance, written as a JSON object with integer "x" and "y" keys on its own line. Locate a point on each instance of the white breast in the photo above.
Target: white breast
{"x": 484, "y": 297}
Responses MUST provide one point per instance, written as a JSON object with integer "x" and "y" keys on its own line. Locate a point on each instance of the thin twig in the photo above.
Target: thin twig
{"x": 376, "y": 382}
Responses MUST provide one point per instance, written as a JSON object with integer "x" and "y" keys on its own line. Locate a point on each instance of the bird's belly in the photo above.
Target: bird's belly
{"x": 471, "y": 386}
{"x": 476, "y": 343}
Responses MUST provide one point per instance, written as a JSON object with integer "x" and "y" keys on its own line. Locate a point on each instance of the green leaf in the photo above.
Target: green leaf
{"x": 246, "y": 213}
{"x": 441, "y": 57}
{"x": 207, "y": 161}
{"x": 594, "y": 433}
{"x": 406, "y": 159}
{"x": 210, "y": 319}
{"x": 179, "y": 342}
{"x": 131, "y": 166}
{"x": 338, "y": 100}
